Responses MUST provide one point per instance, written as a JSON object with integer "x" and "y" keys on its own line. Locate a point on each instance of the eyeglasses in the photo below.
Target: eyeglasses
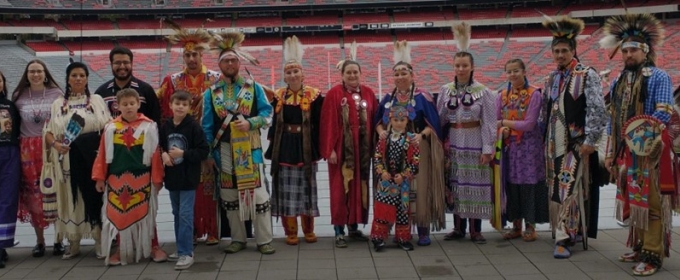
{"x": 230, "y": 60}
{"x": 34, "y": 72}
{"x": 119, "y": 63}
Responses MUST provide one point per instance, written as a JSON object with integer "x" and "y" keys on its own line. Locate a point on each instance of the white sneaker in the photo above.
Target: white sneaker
{"x": 184, "y": 262}
{"x": 173, "y": 257}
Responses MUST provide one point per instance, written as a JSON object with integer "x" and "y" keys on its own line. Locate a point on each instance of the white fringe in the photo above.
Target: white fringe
{"x": 135, "y": 241}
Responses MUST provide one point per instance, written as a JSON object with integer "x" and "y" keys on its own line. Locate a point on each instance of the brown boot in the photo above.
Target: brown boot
{"x": 290, "y": 226}
{"x": 308, "y": 228}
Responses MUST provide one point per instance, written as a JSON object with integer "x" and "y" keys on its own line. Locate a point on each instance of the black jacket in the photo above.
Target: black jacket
{"x": 149, "y": 104}
{"x": 188, "y": 136}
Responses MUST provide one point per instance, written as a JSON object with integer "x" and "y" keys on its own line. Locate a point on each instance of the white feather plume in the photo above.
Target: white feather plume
{"x": 402, "y": 52}
{"x": 353, "y": 51}
{"x": 293, "y": 50}
{"x": 609, "y": 42}
{"x": 461, "y": 33}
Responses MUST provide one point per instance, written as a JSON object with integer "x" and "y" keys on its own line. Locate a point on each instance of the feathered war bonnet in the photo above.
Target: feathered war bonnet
{"x": 402, "y": 56}
{"x": 292, "y": 53}
{"x": 352, "y": 56}
{"x": 197, "y": 40}
{"x": 642, "y": 31}
{"x": 564, "y": 30}
{"x": 228, "y": 44}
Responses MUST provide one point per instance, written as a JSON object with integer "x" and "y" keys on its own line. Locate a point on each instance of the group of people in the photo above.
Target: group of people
{"x": 524, "y": 155}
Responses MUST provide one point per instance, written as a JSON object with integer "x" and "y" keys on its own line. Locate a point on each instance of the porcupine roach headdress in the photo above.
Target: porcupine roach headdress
{"x": 564, "y": 30}
{"x": 642, "y": 31}
{"x": 352, "y": 55}
{"x": 197, "y": 40}
{"x": 462, "y": 33}
{"x": 229, "y": 44}
{"x": 292, "y": 53}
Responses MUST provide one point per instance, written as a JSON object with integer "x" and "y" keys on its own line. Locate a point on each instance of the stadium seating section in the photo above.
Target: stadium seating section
{"x": 432, "y": 48}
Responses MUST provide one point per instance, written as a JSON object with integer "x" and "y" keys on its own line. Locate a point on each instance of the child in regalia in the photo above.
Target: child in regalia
{"x": 396, "y": 164}
{"x": 129, "y": 170}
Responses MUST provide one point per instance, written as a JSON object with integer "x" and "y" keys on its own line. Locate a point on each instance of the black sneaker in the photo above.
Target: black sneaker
{"x": 378, "y": 245}
{"x": 58, "y": 249}
{"x": 357, "y": 235}
{"x": 38, "y": 251}
{"x": 407, "y": 246}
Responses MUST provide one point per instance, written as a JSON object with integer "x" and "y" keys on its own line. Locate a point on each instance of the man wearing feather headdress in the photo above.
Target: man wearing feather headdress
{"x": 234, "y": 110}
{"x": 640, "y": 150}
{"x": 575, "y": 117}
{"x": 294, "y": 147}
{"x": 195, "y": 79}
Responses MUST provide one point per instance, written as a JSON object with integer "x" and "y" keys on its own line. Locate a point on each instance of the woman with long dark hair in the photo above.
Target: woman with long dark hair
{"x": 427, "y": 203}
{"x": 519, "y": 106}
{"x": 77, "y": 203}
{"x": 33, "y": 97}
{"x": 9, "y": 170}
{"x": 468, "y": 108}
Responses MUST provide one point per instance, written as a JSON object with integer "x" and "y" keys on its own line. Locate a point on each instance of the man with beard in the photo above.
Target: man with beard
{"x": 234, "y": 111}
{"x": 640, "y": 150}
{"x": 195, "y": 79}
{"x": 121, "y": 66}
{"x": 575, "y": 117}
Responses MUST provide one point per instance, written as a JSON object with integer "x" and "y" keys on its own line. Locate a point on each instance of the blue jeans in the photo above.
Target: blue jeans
{"x": 183, "y": 211}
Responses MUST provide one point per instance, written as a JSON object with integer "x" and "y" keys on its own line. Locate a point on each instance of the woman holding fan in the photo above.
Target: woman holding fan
{"x": 71, "y": 142}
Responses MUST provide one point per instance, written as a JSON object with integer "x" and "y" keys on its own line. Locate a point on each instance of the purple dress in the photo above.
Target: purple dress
{"x": 527, "y": 193}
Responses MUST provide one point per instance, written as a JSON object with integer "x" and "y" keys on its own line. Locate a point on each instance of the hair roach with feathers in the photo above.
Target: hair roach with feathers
{"x": 231, "y": 42}
{"x": 196, "y": 40}
{"x": 563, "y": 29}
{"x": 644, "y": 27}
